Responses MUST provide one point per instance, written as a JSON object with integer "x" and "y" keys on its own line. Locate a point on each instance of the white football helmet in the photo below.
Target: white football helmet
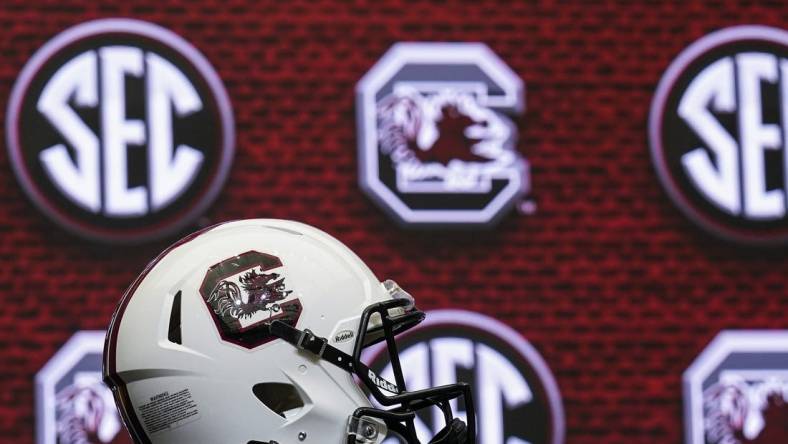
{"x": 251, "y": 332}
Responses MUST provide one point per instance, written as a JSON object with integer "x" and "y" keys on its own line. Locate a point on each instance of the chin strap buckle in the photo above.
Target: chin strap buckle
{"x": 306, "y": 341}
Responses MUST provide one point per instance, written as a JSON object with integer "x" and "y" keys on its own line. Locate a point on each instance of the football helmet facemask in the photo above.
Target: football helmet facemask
{"x": 251, "y": 332}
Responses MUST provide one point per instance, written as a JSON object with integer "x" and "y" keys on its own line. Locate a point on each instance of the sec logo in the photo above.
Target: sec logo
{"x": 717, "y": 131}
{"x": 73, "y": 406}
{"x": 436, "y": 142}
{"x": 120, "y": 131}
{"x": 515, "y": 395}
{"x": 736, "y": 391}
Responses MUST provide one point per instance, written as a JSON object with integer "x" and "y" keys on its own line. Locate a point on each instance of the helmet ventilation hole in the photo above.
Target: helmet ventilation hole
{"x": 278, "y": 397}
{"x": 174, "y": 333}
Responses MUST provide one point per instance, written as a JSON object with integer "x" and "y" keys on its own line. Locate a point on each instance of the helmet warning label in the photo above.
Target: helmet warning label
{"x": 167, "y": 411}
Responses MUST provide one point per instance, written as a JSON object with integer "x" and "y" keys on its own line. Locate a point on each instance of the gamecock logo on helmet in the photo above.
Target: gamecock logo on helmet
{"x": 245, "y": 293}
{"x": 73, "y": 406}
{"x": 435, "y": 143}
{"x": 736, "y": 392}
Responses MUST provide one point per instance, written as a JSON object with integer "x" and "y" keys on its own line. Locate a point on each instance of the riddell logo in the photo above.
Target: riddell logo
{"x": 718, "y": 129}
{"x": 343, "y": 336}
{"x": 436, "y": 142}
{"x": 736, "y": 392}
{"x": 382, "y": 383}
{"x": 515, "y": 395}
{"x": 120, "y": 130}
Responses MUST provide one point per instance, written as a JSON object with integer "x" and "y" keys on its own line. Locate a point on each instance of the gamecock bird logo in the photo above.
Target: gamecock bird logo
{"x": 259, "y": 291}
{"x": 445, "y": 141}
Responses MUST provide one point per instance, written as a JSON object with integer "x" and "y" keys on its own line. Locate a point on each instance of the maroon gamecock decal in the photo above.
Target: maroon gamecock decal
{"x": 245, "y": 294}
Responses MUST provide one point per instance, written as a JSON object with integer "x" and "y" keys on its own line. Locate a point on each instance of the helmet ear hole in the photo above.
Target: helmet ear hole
{"x": 174, "y": 331}
{"x": 278, "y": 397}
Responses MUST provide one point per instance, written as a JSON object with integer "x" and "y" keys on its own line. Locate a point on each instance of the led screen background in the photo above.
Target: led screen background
{"x": 614, "y": 287}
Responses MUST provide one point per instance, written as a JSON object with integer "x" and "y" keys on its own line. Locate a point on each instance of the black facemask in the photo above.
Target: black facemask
{"x": 390, "y": 318}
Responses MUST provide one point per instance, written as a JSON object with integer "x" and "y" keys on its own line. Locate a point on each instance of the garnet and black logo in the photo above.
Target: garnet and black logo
{"x": 736, "y": 392}
{"x": 436, "y": 142}
{"x": 73, "y": 406}
{"x": 120, "y": 130}
{"x": 718, "y": 133}
{"x": 515, "y": 395}
{"x": 245, "y": 293}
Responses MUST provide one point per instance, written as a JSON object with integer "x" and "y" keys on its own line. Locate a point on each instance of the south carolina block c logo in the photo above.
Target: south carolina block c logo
{"x": 436, "y": 142}
{"x": 119, "y": 130}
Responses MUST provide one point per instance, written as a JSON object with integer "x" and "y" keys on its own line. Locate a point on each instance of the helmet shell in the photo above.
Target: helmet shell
{"x": 197, "y": 384}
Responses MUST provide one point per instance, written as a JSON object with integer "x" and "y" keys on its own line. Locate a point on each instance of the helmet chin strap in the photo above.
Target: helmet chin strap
{"x": 308, "y": 341}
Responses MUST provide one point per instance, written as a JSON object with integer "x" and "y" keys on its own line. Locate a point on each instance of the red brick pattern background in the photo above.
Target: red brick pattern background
{"x": 613, "y": 286}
